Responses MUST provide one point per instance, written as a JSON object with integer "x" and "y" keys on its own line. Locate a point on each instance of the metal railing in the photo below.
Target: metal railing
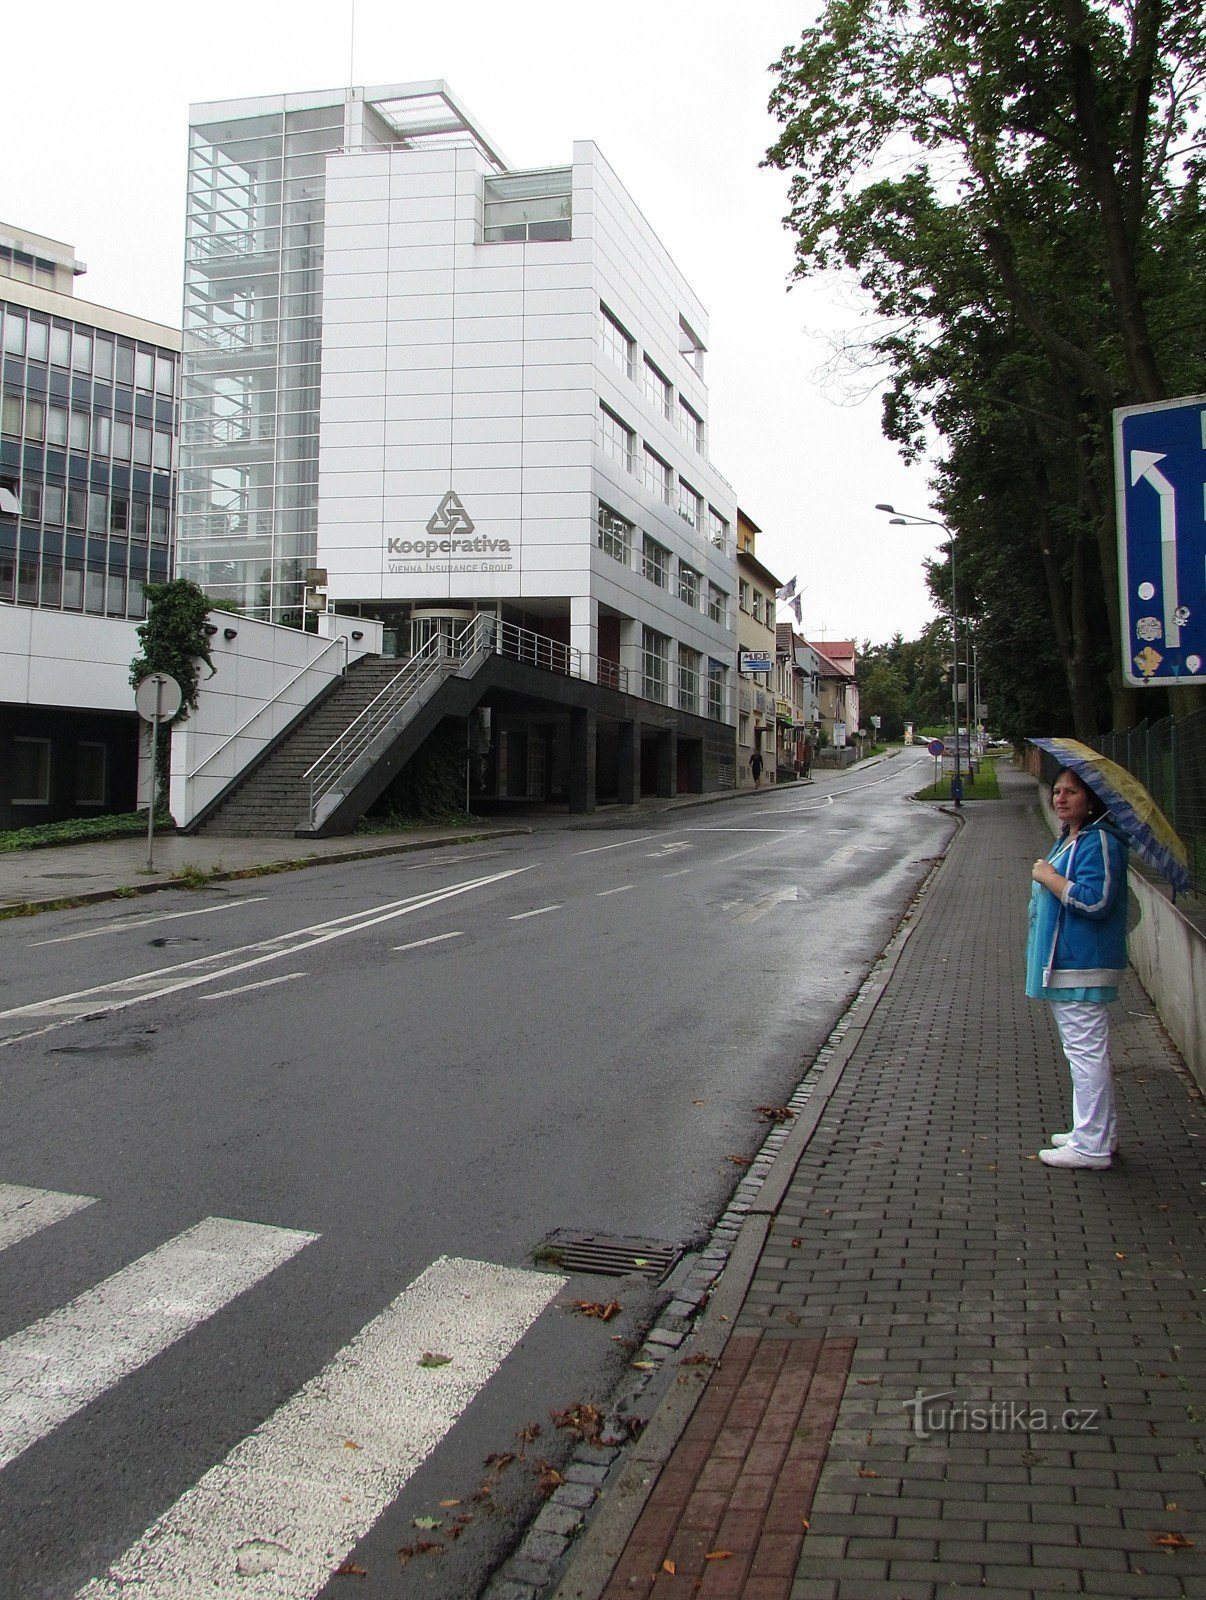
{"x": 438, "y": 659}
{"x": 1169, "y": 758}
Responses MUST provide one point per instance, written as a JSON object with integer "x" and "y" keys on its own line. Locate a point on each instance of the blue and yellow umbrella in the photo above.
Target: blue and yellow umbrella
{"x": 1148, "y": 831}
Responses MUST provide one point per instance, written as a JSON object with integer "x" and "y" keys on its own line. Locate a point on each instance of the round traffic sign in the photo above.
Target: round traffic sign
{"x": 157, "y": 697}
{"x": 936, "y": 747}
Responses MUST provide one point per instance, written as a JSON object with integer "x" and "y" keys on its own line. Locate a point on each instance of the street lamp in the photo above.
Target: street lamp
{"x": 906, "y": 519}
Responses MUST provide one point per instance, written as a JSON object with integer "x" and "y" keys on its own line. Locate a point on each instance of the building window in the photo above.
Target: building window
{"x": 619, "y": 441}
{"x": 655, "y": 562}
{"x": 688, "y": 585}
{"x": 12, "y": 415}
{"x": 617, "y": 342}
{"x": 159, "y": 524}
{"x": 718, "y": 604}
{"x": 743, "y": 594}
{"x": 655, "y": 662}
{"x": 615, "y": 535}
{"x": 658, "y": 477}
{"x": 717, "y": 688}
{"x": 692, "y": 426}
{"x": 757, "y": 605}
{"x": 688, "y": 679}
{"x": 39, "y": 340}
{"x": 14, "y": 333}
{"x": 31, "y": 772}
{"x": 690, "y": 504}
{"x": 529, "y": 206}
{"x": 98, "y": 511}
{"x": 35, "y": 419}
{"x": 743, "y": 728}
{"x": 91, "y": 761}
{"x": 31, "y": 500}
{"x": 60, "y": 345}
{"x": 718, "y": 529}
{"x": 690, "y": 346}
{"x": 658, "y": 389}
{"x": 56, "y": 426}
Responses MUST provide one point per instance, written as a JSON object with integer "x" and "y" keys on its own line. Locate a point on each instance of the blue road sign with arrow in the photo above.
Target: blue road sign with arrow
{"x": 1160, "y": 478}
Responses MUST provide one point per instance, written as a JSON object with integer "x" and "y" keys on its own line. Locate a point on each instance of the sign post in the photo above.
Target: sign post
{"x": 937, "y": 749}
{"x": 1160, "y": 480}
{"x": 157, "y": 700}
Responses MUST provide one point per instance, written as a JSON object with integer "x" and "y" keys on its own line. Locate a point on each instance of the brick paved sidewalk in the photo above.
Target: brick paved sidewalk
{"x": 1056, "y": 1315}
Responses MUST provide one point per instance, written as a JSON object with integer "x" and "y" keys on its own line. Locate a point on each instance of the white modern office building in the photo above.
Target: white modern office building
{"x": 443, "y": 389}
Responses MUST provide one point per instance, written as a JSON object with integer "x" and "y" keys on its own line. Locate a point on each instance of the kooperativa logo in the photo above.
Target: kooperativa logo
{"x": 452, "y": 542}
{"x": 450, "y": 517}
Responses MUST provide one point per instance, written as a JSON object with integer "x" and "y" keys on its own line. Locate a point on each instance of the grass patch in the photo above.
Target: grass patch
{"x": 396, "y": 824}
{"x": 983, "y": 787}
{"x": 81, "y": 830}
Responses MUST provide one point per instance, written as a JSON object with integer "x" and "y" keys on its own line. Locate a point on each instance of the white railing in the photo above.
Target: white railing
{"x": 267, "y": 706}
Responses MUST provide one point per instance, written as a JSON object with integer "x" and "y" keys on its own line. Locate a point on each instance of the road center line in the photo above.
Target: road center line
{"x": 294, "y": 1498}
{"x": 521, "y": 916}
{"x": 436, "y": 938}
{"x": 132, "y": 924}
{"x": 246, "y": 988}
{"x": 55, "y": 1367}
{"x": 619, "y": 845}
{"x": 623, "y": 889}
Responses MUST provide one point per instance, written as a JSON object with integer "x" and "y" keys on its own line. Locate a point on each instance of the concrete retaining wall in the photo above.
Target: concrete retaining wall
{"x": 1169, "y": 955}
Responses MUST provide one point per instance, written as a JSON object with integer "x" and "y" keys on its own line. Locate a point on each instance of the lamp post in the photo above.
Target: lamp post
{"x": 906, "y": 519}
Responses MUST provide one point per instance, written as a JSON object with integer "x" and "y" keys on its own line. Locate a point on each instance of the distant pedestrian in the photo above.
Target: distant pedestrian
{"x": 756, "y": 768}
{"x": 806, "y": 759}
{"x": 1075, "y": 958}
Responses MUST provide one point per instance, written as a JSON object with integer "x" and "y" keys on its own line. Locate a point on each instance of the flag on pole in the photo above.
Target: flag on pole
{"x": 798, "y": 609}
{"x": 784, "y": 594}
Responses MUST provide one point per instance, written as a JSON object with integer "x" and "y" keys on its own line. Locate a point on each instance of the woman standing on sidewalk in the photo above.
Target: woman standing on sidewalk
{"x": 1075, "y": 958}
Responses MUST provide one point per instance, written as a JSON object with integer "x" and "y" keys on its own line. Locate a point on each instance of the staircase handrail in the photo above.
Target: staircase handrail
{"x": 340, "y": 639}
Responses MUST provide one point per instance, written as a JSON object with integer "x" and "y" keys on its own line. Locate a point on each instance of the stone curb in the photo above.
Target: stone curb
{"x": 704, "y": 1308}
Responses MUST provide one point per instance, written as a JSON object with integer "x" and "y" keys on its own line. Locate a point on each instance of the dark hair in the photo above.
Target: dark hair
{"x": 1097, "y": 806}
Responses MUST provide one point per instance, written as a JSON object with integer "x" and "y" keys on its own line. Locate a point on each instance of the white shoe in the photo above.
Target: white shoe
{"x": 1059, "y": 1140}
{"x": 1065, "y": 1156}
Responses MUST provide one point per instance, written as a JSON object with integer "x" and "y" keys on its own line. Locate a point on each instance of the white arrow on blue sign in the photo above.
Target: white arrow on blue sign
{"x": 1160, "y": 479}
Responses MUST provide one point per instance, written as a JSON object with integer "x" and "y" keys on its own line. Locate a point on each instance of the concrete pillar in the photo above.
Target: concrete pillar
{"x": 628, "y": 763}
{"x": 630, "y": 655}
{"x": 667, "y": 764}
{"x": 584, "y": 634}
{"x": 583, "y": 752}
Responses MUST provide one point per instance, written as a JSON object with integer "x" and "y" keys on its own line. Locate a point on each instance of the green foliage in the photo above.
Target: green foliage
{"x": 983, "y": 787}
{"x": 78, "y": 830}
{"x": 431, "y": 786}
{"x": 173, "y": 637}
{"x": 1017, "y": 189}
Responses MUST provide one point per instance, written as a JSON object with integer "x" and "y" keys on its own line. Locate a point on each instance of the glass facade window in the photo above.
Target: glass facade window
{"x": 718, "y": 604}
{"x": 615, "y": 535}
{"x": 658, "y": 476}
{"x": 81, "y": 482}
{"x": 718, "y": 529}
{"x": 617, "y": 439}
{"x": 31, "y": 772}
{"x": 617, "y": 342}
{"x": 718, "y": 689}
{"x": 91, "y": 761}
{"x": 659, "y": 390}
{"x": 690, "y": 504}
{"x": 688, "y": 678}
{"x": 529, "y": 206}
{"x": 688, "y": 585}
{"x": 14, "y": 334}
{"x": 655, "y": 664}
{"x": 655, "y": 562}
{"x": 692, "y": 426}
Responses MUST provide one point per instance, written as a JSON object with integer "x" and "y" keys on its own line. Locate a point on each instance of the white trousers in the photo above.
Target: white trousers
{"x": 1084, "y": 1032}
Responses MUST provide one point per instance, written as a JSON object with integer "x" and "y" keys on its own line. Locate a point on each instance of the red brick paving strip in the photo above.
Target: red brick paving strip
{"x": 742, "y": 1476}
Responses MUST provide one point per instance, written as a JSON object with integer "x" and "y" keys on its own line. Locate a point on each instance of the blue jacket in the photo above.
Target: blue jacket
{"x": 1076, "y": 948}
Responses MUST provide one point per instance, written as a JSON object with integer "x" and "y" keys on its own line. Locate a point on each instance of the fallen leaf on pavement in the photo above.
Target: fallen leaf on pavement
{"x": 450, "y": 1503}
{"x": 796, "y": 1243}
{"x": 431, "y": 1358}
{"x": 547, "y": 1477}
{"x": 428, "y": 1524}
{"x": 1172, "y": 1541}
{"x": 775, "y": 1113}
{"x": 668, "y": 1566}
{"x": 805, "y": 1524}
{"x": 584, "y": 1420}
{"x": 596, "y": 1308}
{"x": 351, "y": 1570}
{"x": 718, "y": 1555}
{"x": 866, "y": 1472}
{"x": 526, "y": 1435}
{"x": 1120, "y": 1255}
{"x": 741, "y": 1161}
{"x": 499, "y": 1462}
{"x": 645, "y": 1366}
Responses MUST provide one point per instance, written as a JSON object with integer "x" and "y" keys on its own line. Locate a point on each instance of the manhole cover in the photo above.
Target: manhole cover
{"x": 610, "y": 1255}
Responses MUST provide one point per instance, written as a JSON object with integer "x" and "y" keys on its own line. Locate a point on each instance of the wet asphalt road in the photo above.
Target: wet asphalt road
{"x": 411, "y": 1058}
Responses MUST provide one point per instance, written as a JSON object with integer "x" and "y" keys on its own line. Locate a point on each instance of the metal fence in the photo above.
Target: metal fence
{"x": 1169, "y": 759}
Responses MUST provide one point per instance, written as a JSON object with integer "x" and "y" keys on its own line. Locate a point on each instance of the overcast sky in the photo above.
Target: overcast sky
{"x": 93, "y": 139}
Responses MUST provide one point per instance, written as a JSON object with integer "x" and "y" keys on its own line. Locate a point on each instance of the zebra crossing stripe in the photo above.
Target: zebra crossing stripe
{"x": 55, "y": 1367}
{"x": 26, "y": 1211}
{"x": 288, "y": 1503}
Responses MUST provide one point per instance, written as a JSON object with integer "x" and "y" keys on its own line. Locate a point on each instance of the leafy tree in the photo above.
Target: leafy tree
{"x": 173, "y": 638}
{"x": 1017, "y": 187}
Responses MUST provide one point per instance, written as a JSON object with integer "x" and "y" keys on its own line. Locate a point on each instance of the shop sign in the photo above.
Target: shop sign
{"x": 452, "y": 544}
{"x": 754, "y": 660}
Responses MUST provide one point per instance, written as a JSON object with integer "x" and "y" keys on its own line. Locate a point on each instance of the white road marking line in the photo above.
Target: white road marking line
{"x": 521, "y": 916}
{"x": 86, "y": 1003}
{"x": 436, "y": 938}
{"x": 619, "y": 845}
{"x": 682, "y": 872}
{"x": 449, "y": 861}
{"x": 132, "y": 924}
{"x": 623, "y": 889}
{"x": 55, "y": 1367}
{"x": 246, "y": 988}
{"x": 292, "y": 1499}
{"x": 26, "y": 1211}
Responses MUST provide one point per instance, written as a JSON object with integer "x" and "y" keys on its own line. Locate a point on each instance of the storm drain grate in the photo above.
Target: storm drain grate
{"x": 610, "y": 1255}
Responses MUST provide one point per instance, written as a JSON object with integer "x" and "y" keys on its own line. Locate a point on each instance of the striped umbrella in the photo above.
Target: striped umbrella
{"x": 1148, "y": 831}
